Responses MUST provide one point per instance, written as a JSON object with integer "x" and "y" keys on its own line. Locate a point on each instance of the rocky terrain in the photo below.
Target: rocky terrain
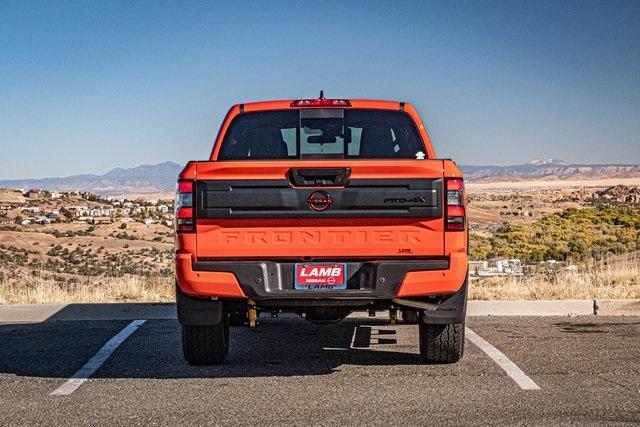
{"x": 619, "y": 194}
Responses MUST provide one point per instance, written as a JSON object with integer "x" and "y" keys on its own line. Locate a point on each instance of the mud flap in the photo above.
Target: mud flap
{"x": 197, "y": 311}
{"x": 451, "y": 310}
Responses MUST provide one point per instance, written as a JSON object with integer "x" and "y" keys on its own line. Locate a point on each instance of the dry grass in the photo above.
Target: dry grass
{"x": 21, "y": 288}
{"x": 620, "y": 280}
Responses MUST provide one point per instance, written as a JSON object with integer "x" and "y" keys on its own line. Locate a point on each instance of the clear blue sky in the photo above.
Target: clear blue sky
{"x": 87, "y": 86}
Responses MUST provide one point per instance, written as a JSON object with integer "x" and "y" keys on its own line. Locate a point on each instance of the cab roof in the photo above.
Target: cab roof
{"x": 284, "y": 104}
{"x": 321, "y": 102}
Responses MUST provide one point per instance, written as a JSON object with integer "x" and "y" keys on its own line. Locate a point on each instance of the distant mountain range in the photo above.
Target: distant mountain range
{"x": 140, "y": 180}
{"x": 161, "y": 178}
{"x": 549, "y": 170}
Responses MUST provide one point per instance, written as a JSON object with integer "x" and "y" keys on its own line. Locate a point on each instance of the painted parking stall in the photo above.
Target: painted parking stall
{"x": 364, "y": 337}
{"x": 132, "y": 371}
{"x": 97, "y": 360}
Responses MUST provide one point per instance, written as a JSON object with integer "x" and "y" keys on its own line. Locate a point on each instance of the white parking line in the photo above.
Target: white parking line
{"x": 503, "y": 361}
{"x": 351, "y": 347}
{"x": 353, "y": 337}
{"x": 96, "y": 361}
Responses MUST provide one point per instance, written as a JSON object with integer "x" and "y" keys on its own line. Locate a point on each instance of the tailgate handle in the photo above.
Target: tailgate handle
{"x": 319, "y": 177}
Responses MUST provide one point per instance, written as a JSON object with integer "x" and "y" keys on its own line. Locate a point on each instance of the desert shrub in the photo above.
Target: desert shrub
{"x": 577, "y": 234}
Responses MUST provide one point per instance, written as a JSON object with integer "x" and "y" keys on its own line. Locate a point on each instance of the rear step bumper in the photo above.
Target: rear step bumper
{"x": 263, "y": 280}
{"x": 368, "y": 280}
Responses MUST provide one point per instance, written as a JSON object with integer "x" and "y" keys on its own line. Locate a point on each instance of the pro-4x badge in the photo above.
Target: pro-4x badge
{"x": 319, "y": 201}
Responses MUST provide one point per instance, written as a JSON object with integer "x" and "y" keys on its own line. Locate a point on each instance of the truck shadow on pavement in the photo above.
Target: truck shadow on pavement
{"x": 286, "y": 346}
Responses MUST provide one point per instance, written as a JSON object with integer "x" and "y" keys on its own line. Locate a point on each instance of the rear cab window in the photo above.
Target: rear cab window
{"x": 322, "y": 133}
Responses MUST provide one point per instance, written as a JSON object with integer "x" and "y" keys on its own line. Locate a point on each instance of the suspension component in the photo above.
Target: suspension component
{"x": 252, "y": 313}
{"x": 393, "y": 316}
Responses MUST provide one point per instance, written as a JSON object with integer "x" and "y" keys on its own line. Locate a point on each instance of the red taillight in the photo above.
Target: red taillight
{"x": 455, "y": 184}
{"x": 185, "y": 213}
{"x": 185, "y": 219}
{"x": 455, "y": 218}
{"x": 185, "y": 186}
{"x": 321, "y": 103}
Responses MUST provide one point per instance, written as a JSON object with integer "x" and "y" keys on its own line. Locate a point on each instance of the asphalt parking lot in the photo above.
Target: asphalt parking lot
{"x": 360, "y": 371}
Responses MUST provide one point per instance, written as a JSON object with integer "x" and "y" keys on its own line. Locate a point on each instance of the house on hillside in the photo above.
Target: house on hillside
{"x": 43, "y": 220}
{"x": 75, "y": 211}
{"x": 476, "y": 266}
{"x": 34, "y": 193}
{"x": 496, "y": 267}
{"x": 99, "y": 212}
{"x": 70, "y": 212}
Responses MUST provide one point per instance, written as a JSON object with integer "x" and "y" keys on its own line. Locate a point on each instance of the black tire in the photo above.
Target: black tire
{"x": 238, "y": 318}
{"x": 441, "y": 343}
{"x": 410, "y": 317}
{"x": 206, "y": 345}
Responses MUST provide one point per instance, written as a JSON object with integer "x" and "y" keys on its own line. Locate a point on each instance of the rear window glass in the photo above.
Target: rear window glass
{"x": 322, "y": 133}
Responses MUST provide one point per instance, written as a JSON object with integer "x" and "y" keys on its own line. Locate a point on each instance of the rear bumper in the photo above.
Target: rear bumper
{"x": 266, "y": 281}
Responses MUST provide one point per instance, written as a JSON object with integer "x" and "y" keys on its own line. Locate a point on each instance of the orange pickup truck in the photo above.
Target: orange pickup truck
{"x": 321, "y": 207}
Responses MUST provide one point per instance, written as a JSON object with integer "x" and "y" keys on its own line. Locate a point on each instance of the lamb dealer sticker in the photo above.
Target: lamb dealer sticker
{"x": 321, "y": 276}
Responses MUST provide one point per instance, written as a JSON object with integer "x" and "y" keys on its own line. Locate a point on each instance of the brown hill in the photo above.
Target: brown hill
{"x": 11, "y": 197}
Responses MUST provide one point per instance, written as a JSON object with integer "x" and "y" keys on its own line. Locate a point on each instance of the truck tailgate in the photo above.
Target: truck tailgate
{"x": 384, "y": 209}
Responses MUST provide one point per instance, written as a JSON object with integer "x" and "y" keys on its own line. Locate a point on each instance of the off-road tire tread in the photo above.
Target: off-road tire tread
{"x": 441, "y": 343}
{"x": 205, "y": 345}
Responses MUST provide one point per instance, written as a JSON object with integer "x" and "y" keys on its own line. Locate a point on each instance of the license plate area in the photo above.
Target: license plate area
{"x": 320, "y": 276}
